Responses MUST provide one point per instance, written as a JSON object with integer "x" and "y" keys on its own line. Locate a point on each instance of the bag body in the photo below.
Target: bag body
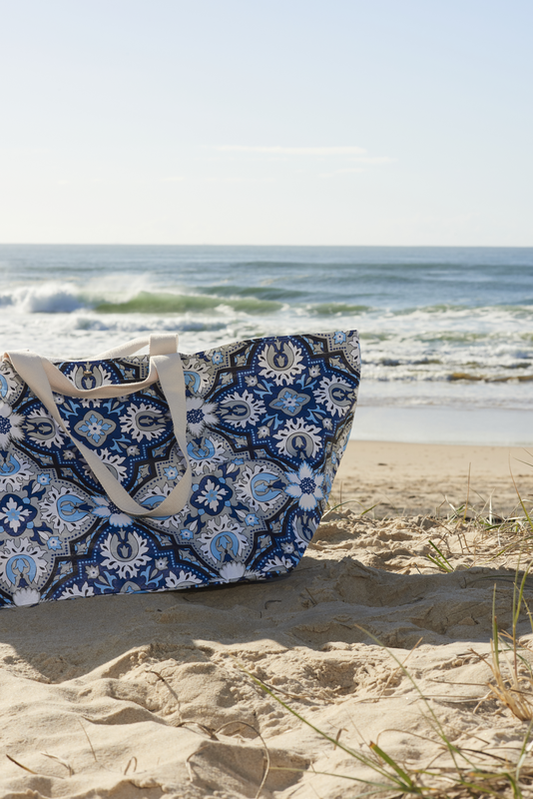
{"x": 133, "y": 473}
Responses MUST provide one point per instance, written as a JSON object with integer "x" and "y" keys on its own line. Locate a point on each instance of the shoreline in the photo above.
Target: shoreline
{"x": 454, "y": 425}
{"x": 414, "y": 478}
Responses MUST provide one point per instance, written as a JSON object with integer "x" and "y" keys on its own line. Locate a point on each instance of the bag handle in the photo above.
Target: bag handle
{"x": 42, "y": 377}
{"x": 159, "y": 344}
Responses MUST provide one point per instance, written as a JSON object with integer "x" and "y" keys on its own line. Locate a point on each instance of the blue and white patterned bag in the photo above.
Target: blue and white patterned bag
{"x": 128, "y": 473}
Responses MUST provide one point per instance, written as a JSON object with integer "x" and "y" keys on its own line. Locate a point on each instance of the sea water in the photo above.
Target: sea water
{"x": 446, "y": 333}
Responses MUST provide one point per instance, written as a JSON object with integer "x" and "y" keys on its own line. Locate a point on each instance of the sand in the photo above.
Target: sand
{"x": 152, "y": 695}
{"x": 428, "y": 478}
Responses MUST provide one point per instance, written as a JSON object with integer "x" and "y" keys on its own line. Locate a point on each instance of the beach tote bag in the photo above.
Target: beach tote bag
{"x": 133, "y": 473}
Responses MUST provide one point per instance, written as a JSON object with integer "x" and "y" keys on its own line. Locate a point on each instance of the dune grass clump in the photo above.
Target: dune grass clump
{"x": 515, "y": 690}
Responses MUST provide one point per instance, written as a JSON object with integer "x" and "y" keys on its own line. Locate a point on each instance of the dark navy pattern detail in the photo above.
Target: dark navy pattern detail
{"x": 267, "y": 423}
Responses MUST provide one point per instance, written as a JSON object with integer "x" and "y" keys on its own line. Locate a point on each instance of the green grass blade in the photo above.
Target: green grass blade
{"x": 440, "y": 565}
{"x": 392, "y": 763}
{"x": 442, "y": 556}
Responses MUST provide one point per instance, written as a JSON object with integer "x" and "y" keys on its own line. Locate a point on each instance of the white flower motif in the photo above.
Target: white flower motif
{"x": 105, "y": 509}
{"x": 230, "y": 572}
{"x": 183, "y": 580}
{"x": 125, "y": 555}
{"x": 296, "y": 438}
{"x": 282, "y": 362}
{"x": 263, "y": 431}
{"x": 241, "y": 410}
{"x": 75, "y": 591}
{"x": 26, "y": 596}
{"x": 9, "y": 425}
{"x": 305, "y": 486}
{"x": 200, "y": 414}
{"x": 143, "y": 422}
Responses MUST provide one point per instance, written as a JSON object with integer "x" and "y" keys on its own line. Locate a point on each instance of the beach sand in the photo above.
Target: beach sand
{"x": 152, "y": 695}
{"x": 429, "y": 478}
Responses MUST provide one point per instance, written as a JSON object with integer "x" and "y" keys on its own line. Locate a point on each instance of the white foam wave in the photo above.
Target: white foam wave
{"x": 48, "y": 297}
{"x": 53, "y": 296}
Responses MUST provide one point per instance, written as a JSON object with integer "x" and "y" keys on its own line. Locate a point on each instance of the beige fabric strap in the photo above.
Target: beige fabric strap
{"x": 159, "y": 344}
{"x": 43, "y": 377}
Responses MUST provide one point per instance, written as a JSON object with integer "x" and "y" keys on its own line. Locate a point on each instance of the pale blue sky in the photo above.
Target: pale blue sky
{"x": 266, "y": 121}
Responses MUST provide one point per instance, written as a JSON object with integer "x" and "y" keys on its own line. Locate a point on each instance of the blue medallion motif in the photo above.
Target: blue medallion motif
{"x": 95, "y": 428}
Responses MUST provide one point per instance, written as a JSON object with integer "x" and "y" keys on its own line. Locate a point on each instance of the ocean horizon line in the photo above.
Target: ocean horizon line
{"x": 265, "y": 246}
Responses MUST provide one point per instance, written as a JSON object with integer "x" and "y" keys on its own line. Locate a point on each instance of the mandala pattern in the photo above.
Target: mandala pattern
{"x": 267, "y": 423}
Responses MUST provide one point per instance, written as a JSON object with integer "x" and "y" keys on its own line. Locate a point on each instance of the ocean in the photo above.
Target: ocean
{"x": 446, "y": 333}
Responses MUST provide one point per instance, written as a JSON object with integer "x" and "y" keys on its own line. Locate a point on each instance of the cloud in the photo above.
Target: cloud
{"x": 354, "y": 157}
{"x": 377, "y": 159}
{"x": 360, "y": 163}
{"x": 336, "y": 172}
{"x": 277, "y": 150}
{"x": 172, "y": 180}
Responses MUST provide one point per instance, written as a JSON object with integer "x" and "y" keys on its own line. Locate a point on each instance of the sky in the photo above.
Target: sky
{"x": 306, "y": 122}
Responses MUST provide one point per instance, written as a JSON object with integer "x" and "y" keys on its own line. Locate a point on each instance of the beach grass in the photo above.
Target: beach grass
{"x": 468, "y": 774}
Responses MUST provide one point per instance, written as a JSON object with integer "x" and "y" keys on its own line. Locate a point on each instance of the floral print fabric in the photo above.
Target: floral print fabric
{"x": 267, "y": 423}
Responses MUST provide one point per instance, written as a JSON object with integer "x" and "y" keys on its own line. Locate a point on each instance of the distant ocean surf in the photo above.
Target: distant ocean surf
{"x": 442, "y": 326}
